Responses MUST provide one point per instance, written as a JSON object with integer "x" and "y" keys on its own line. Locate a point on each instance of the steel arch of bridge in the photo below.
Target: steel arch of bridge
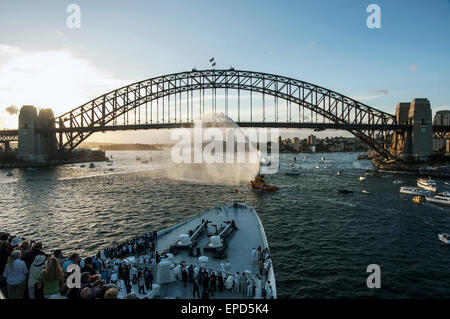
{"x": 103, "y": 111}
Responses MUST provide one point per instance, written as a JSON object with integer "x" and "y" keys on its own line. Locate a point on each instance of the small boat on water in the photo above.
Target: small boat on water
{"x": 414, "y": 191}
{"x": 441, "y": 198}
{"x": 92, "y": 165}
{"x": 144, "y": 162}
{"x": 397, "y": 182}
{"x": 365, "y": 192}
{"x": 362, "y": 178}
{"x": 293, "y": 171}
{"x": 447, "y": 183}
{"x": 306, "y": 157}
{"x": 318, "y": 166}
{"x": 9, "y": 174}
{"x": 83, "y": 165}
{"x": 444, "y": 238}
{"x": 344, "y": 191}
{"x": 138, "y": 158}
{"x": 418, "y": 199}
{"x": 339, "y": 173}
{"x": 260, "y": 183}
{"x": 322, "y": 158}
{"x": 427, "y": 183}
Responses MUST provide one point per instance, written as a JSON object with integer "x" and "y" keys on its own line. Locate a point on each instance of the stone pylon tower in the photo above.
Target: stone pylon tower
{"x": 36, "y": 146}
{"x": 416, "y": 143}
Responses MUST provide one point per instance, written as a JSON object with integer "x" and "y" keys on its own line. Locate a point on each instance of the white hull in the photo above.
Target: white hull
{"x": 425, "y": 184}
{"x": 414, "y": 191}
{"x": 437, "y": 200}
{"x": 441, "y": 237}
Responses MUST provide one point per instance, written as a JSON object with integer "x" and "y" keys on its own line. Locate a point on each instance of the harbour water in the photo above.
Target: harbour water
{"x": 321, "y": 241}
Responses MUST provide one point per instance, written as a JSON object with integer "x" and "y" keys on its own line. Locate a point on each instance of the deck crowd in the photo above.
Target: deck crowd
{"x": 28, "y": 272}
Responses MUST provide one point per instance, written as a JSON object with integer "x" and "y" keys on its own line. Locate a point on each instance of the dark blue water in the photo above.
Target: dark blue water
{"x": 321, "y": 241}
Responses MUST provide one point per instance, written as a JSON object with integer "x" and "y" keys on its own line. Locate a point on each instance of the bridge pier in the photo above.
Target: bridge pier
{"x": 34, "y": 146}
{"x": 416, "y": 143}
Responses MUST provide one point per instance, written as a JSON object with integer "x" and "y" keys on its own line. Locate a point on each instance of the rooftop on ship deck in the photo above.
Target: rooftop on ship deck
{"x": 248, "y": 236}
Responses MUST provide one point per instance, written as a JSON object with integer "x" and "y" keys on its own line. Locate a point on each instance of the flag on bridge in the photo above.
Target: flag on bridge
{"x": 212, "y": 59}
{"x": 214, "y": 64}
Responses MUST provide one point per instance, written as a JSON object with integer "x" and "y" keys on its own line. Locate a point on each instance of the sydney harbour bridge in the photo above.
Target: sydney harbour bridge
{"x": 251, "y": 99}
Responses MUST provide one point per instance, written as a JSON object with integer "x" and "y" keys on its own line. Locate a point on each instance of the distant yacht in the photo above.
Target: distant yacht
{"x": 427, "y": 184}
{"x": 444, "y": 238}
{"x": 441, "y": 198}
{"x": 414, "y": 191}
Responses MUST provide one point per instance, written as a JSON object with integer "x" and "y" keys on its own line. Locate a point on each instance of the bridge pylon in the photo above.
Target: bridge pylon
{"x": 417, "y": 142}
{"x": 35, "y": 146}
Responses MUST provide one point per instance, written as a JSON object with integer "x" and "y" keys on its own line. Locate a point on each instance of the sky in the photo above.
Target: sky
{"x": 328, "y": 43}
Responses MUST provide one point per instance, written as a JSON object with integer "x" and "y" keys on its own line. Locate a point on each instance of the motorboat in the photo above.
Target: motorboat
{"x": 322, "y": 158}
{"x": 362, "y": 178}
{"x": 440, "y": 198}
{"x": 344, "y": 191}
{"x": 444, "y": 238}
{"x": 339, "y": 173}
{"x": 418, "y": 199}
{"x": 83, "y": 165}
{"x": 365, "y": 192}
{"x": 427, "y": 183}
{"x": 397, "y": 181}
{"x": 414, "y": 191}
{"x": 318, "y": 166}
{"x": 92, "y": 165}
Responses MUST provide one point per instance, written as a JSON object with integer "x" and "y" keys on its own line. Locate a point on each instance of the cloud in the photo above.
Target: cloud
{"x": 12, "y": 110}
{"x": 413, "y": 67}
{"x": 372, "y": 94}
{"x": 55, "y": 78}
{"x": 382, "y": 92}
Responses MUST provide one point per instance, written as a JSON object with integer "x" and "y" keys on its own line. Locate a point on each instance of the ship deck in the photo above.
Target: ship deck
{"x": 249, "y": 234}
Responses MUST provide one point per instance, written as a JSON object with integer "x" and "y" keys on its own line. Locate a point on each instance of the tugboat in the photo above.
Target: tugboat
{"x": 260, "y": 183}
